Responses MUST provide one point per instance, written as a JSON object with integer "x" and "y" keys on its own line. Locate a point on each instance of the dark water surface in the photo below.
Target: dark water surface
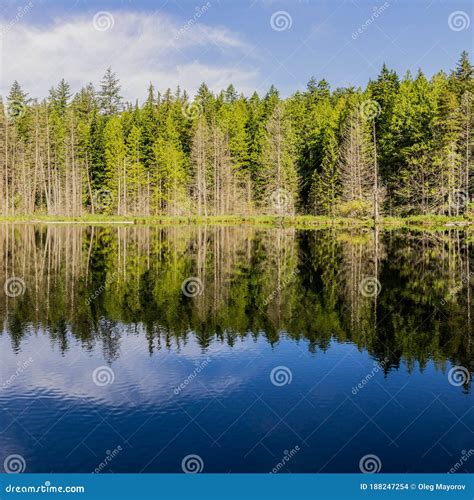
{"x": 235, "y": 349}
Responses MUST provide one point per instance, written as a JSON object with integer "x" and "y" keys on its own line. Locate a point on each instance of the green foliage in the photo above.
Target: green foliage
{"x": 256, "y": 282}
{"x": 354, "y": 208}
{"x": 411, "y": 154}
{"x": 109, "y": 96}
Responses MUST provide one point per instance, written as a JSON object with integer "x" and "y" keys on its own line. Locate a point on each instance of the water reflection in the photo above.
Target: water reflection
{"x": 400, "y": 295}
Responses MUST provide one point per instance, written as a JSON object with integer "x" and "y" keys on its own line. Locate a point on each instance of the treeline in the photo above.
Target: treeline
{"x": 400, "y": 146}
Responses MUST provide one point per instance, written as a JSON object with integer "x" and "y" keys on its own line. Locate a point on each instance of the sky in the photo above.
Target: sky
{"x": 251, "y": 44}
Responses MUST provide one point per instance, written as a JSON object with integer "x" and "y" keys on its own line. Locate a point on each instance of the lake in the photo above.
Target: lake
{"x": 235, "y": 349}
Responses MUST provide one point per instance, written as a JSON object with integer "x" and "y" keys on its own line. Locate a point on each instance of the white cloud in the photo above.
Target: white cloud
{"x": 137, "y": 377}
{"x": 139, "y": 47}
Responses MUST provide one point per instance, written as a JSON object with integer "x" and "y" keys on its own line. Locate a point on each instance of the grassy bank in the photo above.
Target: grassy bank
{"x": 302, "y": 221}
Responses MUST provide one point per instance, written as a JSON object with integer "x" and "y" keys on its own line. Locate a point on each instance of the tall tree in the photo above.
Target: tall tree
{"x": 109, "y": 95}
{"x": 280, "y": 164}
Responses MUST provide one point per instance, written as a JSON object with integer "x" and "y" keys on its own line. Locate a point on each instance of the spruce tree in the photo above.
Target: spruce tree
{"x": 280, "y": 164}
{"x": 110, "y": 99}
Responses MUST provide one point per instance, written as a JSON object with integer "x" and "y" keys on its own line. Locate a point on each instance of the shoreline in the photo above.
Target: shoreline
{"x": 299, "y": 221}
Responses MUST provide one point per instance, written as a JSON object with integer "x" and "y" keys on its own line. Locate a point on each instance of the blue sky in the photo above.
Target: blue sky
{"x": 164, "y": 41}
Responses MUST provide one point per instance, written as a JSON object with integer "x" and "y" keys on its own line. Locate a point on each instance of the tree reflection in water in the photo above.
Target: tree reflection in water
{"x": 401, "y": 295}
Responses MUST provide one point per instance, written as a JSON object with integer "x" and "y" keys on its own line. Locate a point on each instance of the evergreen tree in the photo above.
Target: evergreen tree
{"x": 115, "y": 181}
{"x": 416, "y": 179}
{"x": 59, "y": 97}
{"x": 325, "y": 182}
{"x": 17, "y": 100}
{"x": 314, "y": 152}
{"x": 170, "y": 172}
{"x": 280, "y": 164}
{"x": 384, "y": 92}
{"x": 109, "y": 96}
{"x": 201, "y": 188}
{"x": 356, "y": 165}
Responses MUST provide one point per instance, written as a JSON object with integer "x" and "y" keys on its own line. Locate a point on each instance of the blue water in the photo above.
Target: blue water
{"x": 280, "y": 364}
{"x": 230, "y": 414}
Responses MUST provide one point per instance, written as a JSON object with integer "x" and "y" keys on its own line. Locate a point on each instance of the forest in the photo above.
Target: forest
{"x": 401, "y": 146}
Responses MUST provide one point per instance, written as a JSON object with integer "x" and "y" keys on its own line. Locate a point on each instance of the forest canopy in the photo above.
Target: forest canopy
{"x": 400, "y": 146}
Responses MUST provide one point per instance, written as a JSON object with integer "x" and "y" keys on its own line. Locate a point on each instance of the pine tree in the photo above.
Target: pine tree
{"x": 446, "y": 128}
{"x": 280, "y": 164}
{"x": 466, "y": 141}
{"x": 233, "y": 122}
{"x": 113, "y": 197}
{"x": 170, "y": 172}
{"x": 200, "y": 163}
{"x": 255, "y": 133}
{"x": 17, "y": 101}
{"x": 314, "y": 151}
{"x": 416, "y": 178}
{"x": 109, "y": 96}
{"x": 325, "y": 190}
{"x": 59, "y": 97}
{"x": 135, "y": 180}
{"x": 384, "y": 91}
{"x": 464, "y": 75}
{"x": 356, "y": 165}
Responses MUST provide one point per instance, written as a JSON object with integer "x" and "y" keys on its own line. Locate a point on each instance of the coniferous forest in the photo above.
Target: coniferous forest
{"x": 401, "y": 146}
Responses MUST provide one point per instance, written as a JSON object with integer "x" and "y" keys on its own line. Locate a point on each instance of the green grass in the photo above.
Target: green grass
{"x": 301, "y": 221}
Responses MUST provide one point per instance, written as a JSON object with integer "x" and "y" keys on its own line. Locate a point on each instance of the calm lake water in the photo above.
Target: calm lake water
{"x": 235, "y": 349}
